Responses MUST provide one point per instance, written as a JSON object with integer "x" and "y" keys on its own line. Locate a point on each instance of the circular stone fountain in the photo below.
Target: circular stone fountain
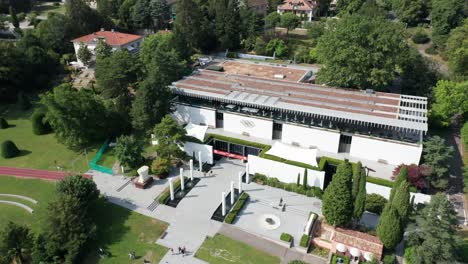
{"x": 269, "y": 222}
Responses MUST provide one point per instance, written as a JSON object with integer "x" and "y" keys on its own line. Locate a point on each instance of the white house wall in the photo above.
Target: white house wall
{"x": 310, "y": 137}
{"x": 248, "y": 126}
{"x": 284, "y": 172}
{"x": 385, "y": 192}
{"x": 195, "y": 115}
{"x": 206, "y": 151}
{"x": 392, "y": 152}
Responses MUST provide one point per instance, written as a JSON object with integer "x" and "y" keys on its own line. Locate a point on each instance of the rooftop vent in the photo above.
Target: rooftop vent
{"x": 279, "y": 76}
{"x": 370, "y": 91}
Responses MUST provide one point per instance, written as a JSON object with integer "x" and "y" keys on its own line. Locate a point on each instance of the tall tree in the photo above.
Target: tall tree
{"x": 125, "y": 14}
{"x": 360, "y": 52}
{"x": 436, "y": 238}
{"x": 227, "y": 23}
{"x": 359, "y": 195}
{"x": 323, "y": 6}
{"x": 83, "y": 19}
{"x": 401, "y": 201}
{"x": 402, "y": 177}
{"x": 115, "y": 73}
{"x": 187, "y": 27}
{"x": 349, "y": 6}
{"x": 457, "y": 51}
{"x": 129, "y": 151}
{"x": 250, "y": 27}
{"x": 103, "y": 50}
{"x": 54, "y": 33}
{"x": 82, "y": 189}
{"x": 411, "y": 11}
{"x": 170, "y": 137}
{"x": 445, "y": 15}
{"x": 338, "y": 199}
{"x": 437, "y": 155}
{"x": 389, "y": 229}
{"x": 84, "y": 54}
{"x": 289, "y": 21}
{"x": 450, "y": 102}
{"x": 271, "y": 21}
{"x": 418, "y": 74}
{"x": 15, "y": 243}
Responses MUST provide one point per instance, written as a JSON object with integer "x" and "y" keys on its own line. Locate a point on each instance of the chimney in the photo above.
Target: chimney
{"x": 112, "y": 30}
{"x": 102, "y": 29}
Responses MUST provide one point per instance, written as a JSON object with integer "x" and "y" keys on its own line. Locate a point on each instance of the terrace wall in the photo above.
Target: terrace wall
{"x": 254, "y": 127}
{"x": 379, "y": 149}
{"x": 206, "y": 151}
{"x": 310, "y": 137}
{"x": 385, "y": 192}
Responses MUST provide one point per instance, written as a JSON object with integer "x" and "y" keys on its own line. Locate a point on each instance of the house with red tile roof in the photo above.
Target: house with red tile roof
{"x": 117, "y": 40}
{"x": 301, "y": 8}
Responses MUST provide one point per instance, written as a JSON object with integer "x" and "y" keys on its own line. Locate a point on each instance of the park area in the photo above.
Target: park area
{"x": 224, "y": 250}
{"x": 120, "y": 230}
{"x": 39, "y": 152}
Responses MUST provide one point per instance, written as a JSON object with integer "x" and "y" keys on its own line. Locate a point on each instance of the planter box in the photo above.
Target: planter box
{"x": 145, "y": 184}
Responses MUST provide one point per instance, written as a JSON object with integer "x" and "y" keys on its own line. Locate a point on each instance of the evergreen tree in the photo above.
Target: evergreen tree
{"x": 436, "y": 238}
{"x": 437, "y": 155}
{"x": 129, "y": 150}
{"x": 83, "y": 54}
{"x": 401, "y": 201}
{"x": 304, "y": 180}
{"x": 171, "y": 137}
{"x": 356, "y": 179}
{"x": 360, "y": 196}
{"x": 445, "y": 15}
{"x": 402, "y": 177}
{"x": 103, "y": 50}
{"x": 337, "y": 200}
{"x": 187, "y": 27}
{"x": 389, "y": 229}
{"x": 15, "y": 243}
{"x": 298, "y": 179}
{"x": 14, "y": 17}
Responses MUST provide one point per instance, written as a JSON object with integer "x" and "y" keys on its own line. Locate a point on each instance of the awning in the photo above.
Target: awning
{"x": 368, "y": 256}
{"x": 196, "y": 131}
{"x": 341, "y": 248}
{"x": 355, "y": 252}
{"x": 304, "y": 155}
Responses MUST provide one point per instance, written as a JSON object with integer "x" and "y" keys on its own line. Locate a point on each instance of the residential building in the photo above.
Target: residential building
{"x": 302, "y": 8}
{"x": 117, "y": 40}
{"x": 269, "y": 103}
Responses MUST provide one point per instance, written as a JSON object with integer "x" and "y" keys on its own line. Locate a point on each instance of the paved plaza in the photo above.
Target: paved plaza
{"x": 190, "y": 222}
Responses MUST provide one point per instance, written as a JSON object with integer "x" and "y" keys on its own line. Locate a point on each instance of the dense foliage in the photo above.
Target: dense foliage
{"x": 16, "y": 243}
{"x": 416, "y": 174}
{"x": 9, "y": 149}
{"x": 375, "y": 203}
{"x": 389, "y": 229}
{"x": 437, "y": 155}
{"x": 457, "y": 51}
{"x": 129, "y": 151}
{"x": 450, "y": 102}
{"x": 445, "y": 15}
{"x": 40, "y": 125}
{"x": 170, "y": 137}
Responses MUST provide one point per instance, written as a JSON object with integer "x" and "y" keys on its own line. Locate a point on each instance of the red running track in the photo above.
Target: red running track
{"x": 37, "y": 174}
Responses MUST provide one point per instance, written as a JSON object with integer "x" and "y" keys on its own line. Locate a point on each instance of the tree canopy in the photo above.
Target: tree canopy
{"x": 450, "y": 101}
{"x": 129, "y": 151}
{"x": 411, "y": 11}
{"x": 389, "y": 229}
{"x": 457, "y": 51}
{"x": 360, "y": 52}
{"x": 16, "y": 243}
{"x": 445, "y": 15}
{"x": 170, "y": 137}
{"x": 437, "y": 155}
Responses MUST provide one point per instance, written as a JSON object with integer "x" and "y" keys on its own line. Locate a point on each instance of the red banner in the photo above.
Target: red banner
{"x": 229, "y": 155}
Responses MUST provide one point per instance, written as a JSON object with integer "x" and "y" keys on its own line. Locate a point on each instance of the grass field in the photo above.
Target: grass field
{"x": 119, "y": 230}
{"x": 223, "y": 250}
{"x": 38, "y": 152}
{"x": 107, "y": 159}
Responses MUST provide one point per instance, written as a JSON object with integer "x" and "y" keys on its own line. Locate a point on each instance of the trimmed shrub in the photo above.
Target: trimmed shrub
{"x": 3, "y": 123}
{"x": 9, "y": 149}
{"x": 236, "y": 208}
{"x": 311, "y": 191}
{"x": 375, "y": 203}
{"x": 39, "y": 124}
{"x": 420, "y": 37}
{"x": 286, "y": 237}
{"x": 304, "y": 241}
{"x": 161, "y": 167}
{"x": 389, "y": 259}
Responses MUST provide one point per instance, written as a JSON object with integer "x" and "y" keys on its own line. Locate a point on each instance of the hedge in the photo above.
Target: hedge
{"x": 39, "y": 125}
{"x": 3, "y": 123}
{"x": 286, "y": 237}
{"x": 375, "y": 203}
{"x": 304, "y": 241}
{"x": 237, "y": 208}
{"x": 311, "y": 191}
{"x": 9, "y": 149}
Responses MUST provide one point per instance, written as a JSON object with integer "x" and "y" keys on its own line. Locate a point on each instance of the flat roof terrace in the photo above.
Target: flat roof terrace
{"x": 237, "y": 85}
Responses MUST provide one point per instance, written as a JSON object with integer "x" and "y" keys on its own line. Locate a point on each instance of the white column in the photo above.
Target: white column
{"x": 232, "y": 193}
{"x": 223, "y": 202}
{"x": 182, "y": 185}
{"x": 191, "y": 170}
{"x": 240, "y": 182}
{"x": 247, "y": 176}
{"x": 171, "y": 189}
{"x": 123, "y": 169}
{"x": 199, "y": 160}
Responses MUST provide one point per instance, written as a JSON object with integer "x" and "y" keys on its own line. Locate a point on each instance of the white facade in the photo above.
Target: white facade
{"x": 385, "y": 150}
{"x": 325, "y": 140}
{"x": 248, "y": 126}
{"x": 206, "y": 151}
{"x": 195, "y": 115}
{"x": 385, "y": 192}
{"x": 285, "y": 172}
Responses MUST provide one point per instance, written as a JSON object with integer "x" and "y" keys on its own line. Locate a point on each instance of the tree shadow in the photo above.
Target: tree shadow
{"x": 23, "y": 152}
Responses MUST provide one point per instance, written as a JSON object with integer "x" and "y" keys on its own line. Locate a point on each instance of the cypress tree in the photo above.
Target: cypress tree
{"x": 304, "y": 180}
{"x": 298, "y": 179}
{"x": 360, "y": 198}
{"x": 9, "y": 149}
{"x": 337, "y": 200}
{"x": 401, "y": 201}
{"x": 389, "y": 229}
{"x": 356, "y": 179}
{"x": 187, "y": 27}
{"x": 402, "y": 176}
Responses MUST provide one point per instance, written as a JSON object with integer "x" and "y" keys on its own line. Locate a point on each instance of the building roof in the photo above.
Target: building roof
{"x": 300, "y": 5}
{"x": 278, "y": 87}
{"x": 111, "y": 37}
{"x": 359, "y": 240}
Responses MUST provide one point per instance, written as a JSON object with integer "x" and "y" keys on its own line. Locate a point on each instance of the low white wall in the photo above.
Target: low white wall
{"x": 385, "y": 192}
{"x": 284, "y": 172}
{"x": 255, "y": 127}
{"x": 195, "y": 115}
{"x": 392, "y": 152}
{"x": 206, "y": 151}
{"x": 307, "y": 137}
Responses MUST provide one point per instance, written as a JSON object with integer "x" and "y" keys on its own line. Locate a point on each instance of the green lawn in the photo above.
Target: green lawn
{"x": 223, "y": 250}
{"x": 38, "y": 152}
{"x": 107, "y": 159}
{"x": 119, "y": 229}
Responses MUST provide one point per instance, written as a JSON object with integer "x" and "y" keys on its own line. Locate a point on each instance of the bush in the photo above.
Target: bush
{"x": 9, "y": 149}
{"x": 375, "y": 203}
{"x": 39, "y": 124}
{"x": 277, "y": 47}
{"x": 311, "y": 191}
{"x": 431, "y": 50}
{"x": 389, "y": 259}
{"x": 420, "y": 37}
{"x": 236, "y": 208}
{"x": 409, "y": 255}
{"x": 286, "y": 237}
{"x": 304, "y": 241}
{"x": 232, "y": 54}
{"x": 161, "y": 167}
{"x": 3, "y": 123}
{"x": 335, "y": 257}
